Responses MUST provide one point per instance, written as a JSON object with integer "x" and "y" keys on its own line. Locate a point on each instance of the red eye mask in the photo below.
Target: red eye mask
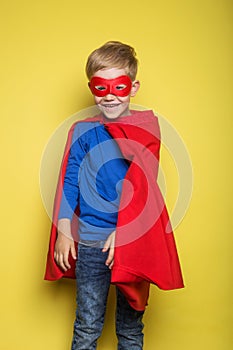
{"x": 120, "y": 86}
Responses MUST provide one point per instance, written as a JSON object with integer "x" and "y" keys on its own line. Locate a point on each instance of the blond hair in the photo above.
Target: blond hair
{"x": 113, "y": 54}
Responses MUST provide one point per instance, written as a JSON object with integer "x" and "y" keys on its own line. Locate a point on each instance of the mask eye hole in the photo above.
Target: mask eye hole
{"x": 120, "y": 87}
{"x": 100, "y": 88}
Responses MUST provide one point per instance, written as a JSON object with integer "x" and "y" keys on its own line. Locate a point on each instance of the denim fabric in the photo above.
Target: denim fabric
{"x": 129, "y": 325}
{"x": 93, "y": 282}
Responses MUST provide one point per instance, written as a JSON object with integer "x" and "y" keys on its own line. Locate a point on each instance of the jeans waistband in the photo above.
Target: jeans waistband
{"x": 89, "y": 243}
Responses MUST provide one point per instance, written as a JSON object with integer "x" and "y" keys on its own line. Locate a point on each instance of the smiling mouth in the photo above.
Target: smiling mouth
{"x": 110, "y": 105}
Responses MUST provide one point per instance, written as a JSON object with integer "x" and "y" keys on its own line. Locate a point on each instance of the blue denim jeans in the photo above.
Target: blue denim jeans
{"x": 93, "y": 282}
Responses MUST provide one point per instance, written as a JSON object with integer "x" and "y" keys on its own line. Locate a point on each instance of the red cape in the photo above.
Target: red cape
{"x": 145, "y": 250}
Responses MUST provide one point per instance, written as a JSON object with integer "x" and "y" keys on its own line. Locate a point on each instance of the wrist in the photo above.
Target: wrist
{"x": 64, "y": 228}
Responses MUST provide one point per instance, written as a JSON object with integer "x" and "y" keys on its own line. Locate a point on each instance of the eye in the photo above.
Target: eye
{"x": 120, "y": 87}
{"x": 100, "y": 87}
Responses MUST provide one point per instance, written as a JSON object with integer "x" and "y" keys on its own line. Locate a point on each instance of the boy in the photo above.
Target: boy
{"x": 118, "y": 236}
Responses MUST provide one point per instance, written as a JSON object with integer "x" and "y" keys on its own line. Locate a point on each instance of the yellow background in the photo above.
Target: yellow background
{"x": 185, "y": 52}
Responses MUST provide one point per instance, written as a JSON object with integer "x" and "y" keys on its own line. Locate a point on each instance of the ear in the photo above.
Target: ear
{"x": 135, "y": 87}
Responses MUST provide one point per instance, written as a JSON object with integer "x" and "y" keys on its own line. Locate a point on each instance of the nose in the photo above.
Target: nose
{"x": 109, "y": 97}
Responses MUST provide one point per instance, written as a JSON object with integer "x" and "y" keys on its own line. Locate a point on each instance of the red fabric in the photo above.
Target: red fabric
{"x": 145, "y": 250}
{"x": 110, "y": 86}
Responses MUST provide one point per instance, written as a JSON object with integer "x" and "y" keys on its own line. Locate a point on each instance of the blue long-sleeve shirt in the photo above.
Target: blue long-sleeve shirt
{"x": 93, "y": 180}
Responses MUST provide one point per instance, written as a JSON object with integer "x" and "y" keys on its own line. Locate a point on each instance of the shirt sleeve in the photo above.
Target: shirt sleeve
{"x": 70, "y": 195}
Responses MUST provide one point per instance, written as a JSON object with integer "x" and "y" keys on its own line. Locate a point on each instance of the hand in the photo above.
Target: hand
{"x": 110, "y": 244}
{"x": 63, "y": 247}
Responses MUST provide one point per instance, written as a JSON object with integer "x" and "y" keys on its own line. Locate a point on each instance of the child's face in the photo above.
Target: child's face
{"x": 112, "y": 105}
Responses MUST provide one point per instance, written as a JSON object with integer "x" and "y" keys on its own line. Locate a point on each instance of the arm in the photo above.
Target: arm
{"x": 70, "y": 187}
{"x": 65, "y": 244}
